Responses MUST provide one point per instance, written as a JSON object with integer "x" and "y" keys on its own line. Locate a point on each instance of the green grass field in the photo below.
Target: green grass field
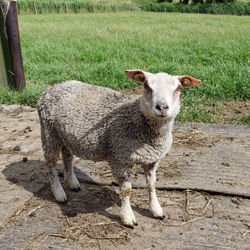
{"x": 97, "y": 48}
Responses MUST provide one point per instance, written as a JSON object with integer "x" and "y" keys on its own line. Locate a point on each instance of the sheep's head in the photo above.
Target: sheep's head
{"x": 161, "y": 93}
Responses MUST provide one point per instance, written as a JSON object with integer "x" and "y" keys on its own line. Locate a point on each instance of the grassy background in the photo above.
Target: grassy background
{"x": 234, "y": 7}
{"x": 97, "y": 48}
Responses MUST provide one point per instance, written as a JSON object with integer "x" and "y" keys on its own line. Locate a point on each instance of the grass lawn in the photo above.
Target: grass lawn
{"x": 97, "y": 48}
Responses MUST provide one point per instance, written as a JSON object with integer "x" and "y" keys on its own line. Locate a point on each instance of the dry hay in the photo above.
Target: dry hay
{"x": 94, "y": 229}
{"x": 189, "y": 205}
{"x": 82, "y": 229}
{"x": 193, "y": 138}
{"x": 90, "y": 229}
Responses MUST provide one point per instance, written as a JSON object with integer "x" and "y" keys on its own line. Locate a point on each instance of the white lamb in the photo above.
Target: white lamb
{"x": 98, "y": 123}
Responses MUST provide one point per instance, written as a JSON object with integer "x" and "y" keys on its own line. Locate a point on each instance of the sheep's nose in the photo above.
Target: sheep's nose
{"x": 162, "y": 108}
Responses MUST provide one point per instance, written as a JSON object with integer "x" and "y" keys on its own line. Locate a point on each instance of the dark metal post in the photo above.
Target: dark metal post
{"x": 14, "y": 46}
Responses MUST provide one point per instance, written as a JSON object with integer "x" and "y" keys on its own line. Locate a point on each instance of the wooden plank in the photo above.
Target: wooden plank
{"x": 223, "y": 168}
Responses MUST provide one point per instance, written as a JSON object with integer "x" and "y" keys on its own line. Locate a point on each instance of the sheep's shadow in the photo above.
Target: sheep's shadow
{"x": 92, "y": 198}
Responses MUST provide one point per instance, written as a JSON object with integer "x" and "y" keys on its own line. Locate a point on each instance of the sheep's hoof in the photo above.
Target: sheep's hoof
{"x": 129, "y": 226}
{"x": 77, "y": 189}
{"x": 60, "y": 173}
{"x": 161, "y": 217}
{"x": 64, "y": 202}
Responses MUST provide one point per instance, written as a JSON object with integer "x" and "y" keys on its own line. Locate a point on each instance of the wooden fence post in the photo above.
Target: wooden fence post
{"x": 6, "y": 74}
{"x": 12, "y": 49}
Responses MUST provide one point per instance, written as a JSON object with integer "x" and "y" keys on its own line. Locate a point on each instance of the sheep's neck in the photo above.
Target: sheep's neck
{"x": 159, "y": 125}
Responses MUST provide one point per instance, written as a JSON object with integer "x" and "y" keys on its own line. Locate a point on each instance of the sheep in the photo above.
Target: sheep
{"x": 98, "y": 123}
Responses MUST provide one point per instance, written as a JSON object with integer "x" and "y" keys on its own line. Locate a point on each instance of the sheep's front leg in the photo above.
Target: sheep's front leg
{"x": 127, "y": 215}
{"x": 150, "y": 173}
{"x": 122, "y": 174}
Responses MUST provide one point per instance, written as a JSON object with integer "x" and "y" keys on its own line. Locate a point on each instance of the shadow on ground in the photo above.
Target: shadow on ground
{"x": 32, "y": 176}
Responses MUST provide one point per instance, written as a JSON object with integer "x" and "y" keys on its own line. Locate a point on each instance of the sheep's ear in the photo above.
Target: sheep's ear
{"x": 136, "y": 75}
{"x": 188, "y": 81}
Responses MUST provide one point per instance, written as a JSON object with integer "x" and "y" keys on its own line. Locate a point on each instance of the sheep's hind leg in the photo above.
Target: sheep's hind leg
{"x": 150, "y": 173}
{"x": 55, "y": 183}
{"x": 69, "y": 174}
{"x": 51, "y": 147}
{"x": 127, "y": 215}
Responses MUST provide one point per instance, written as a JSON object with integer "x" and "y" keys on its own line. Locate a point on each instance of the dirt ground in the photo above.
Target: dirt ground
{"x": 203, "y": 186}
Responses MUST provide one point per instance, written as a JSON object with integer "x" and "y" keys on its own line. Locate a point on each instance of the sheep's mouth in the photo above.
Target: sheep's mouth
{"x": 162, "y": 116}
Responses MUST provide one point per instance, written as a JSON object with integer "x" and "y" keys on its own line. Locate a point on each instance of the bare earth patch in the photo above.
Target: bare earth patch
{"x": 203, "y": 186}
{"x": 233, "y": 112}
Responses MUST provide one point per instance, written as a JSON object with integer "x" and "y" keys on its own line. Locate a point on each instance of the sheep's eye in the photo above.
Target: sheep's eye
{"x": 177, "y": 89}
{"x": 146, "y": 86}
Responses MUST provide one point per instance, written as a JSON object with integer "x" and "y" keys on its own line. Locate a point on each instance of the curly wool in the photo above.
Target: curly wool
{"x": 98, "y": 123}
{"x": 101, "y": 124}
